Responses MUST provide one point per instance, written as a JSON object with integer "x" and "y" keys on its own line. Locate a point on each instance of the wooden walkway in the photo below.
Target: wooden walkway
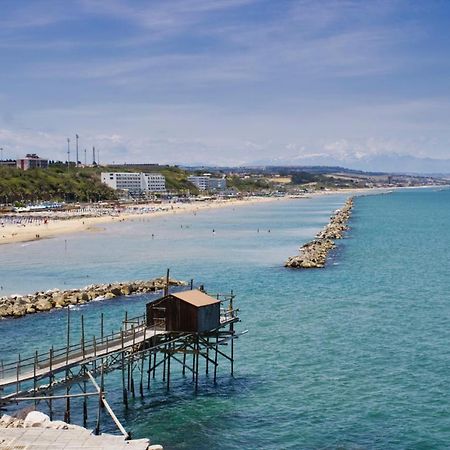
{"x": 60, "y": 360}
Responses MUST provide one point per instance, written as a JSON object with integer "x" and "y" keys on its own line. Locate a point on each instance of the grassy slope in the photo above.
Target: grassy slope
{"x": 83, "y": 184}
{"x": 54, "y": 183}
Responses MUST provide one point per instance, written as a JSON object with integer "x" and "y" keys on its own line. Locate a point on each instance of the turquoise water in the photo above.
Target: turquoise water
{"x": 352, "y": 356}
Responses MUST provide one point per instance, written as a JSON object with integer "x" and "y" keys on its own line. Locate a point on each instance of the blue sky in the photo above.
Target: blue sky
{"x": 226, "y": 81}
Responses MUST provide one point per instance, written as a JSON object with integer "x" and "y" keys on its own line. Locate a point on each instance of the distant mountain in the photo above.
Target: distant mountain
{"x": 370, "y": 163}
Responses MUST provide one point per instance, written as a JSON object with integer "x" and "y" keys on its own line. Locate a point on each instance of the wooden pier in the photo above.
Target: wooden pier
{"x": 142, "y": 345}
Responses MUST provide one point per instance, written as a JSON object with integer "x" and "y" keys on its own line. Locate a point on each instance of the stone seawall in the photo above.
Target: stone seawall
{"x": 314, "y": 254}
{"x": 20, "y": 305}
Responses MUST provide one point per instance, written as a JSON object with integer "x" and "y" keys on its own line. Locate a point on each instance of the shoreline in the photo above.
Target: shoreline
{"x": 17, "y": 233}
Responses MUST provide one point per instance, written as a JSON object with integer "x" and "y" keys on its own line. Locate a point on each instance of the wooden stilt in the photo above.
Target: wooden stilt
{"x": 168, "y": 366}
{"x": 193, "y": 361}
{"x": 50, "y": 382}
{"x": 82, "y": 336}
{"x": 141, "y": 384}
{"x": 196, "y": 366}
{"x": 85, "y": 406}
{"x": 215, "y": 358}
{"x": 34, "y": 376}
{"x": 149, "y": 369}
{"x": 124, "y": 389}
{"x": 164, "y": 363}
{"x": 207, "y": 356}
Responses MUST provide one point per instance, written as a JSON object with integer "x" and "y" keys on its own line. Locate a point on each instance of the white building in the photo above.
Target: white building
{"x": 206, "y": 183}
{"x": 135, "y": 183}
{"x": 155, "y": 182}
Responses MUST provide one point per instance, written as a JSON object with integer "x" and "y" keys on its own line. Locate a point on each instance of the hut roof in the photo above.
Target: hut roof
{"x": 196, "y": 298}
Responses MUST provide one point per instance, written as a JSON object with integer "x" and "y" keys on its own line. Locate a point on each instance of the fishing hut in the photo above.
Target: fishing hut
{"x": 192, "y": 311}
{"x": 180, "y": 328}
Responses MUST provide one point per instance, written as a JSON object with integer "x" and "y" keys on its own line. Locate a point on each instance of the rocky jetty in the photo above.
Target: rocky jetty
{"x": 19, "y": 305}
{"x": 314, "y": 254}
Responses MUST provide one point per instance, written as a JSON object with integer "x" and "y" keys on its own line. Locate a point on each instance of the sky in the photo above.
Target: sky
{"x": 227, "y": 82}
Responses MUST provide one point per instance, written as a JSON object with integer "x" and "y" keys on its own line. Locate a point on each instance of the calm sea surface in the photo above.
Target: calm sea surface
{"x": 352, "y": 356}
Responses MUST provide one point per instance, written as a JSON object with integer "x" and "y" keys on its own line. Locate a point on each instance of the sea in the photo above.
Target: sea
{"x": 352, "y": 356}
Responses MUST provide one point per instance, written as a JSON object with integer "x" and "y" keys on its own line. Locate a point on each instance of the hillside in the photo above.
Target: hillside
{"x": 54, "y": 183}
{"x": 81, "y": 185}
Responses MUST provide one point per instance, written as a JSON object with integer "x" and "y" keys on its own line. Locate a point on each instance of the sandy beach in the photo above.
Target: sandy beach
{"x": 14, "y": 233}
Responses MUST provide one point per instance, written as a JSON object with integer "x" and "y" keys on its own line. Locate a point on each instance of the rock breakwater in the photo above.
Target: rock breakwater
{"x": 314, "y": 254}
{"x": 20, "y": 305}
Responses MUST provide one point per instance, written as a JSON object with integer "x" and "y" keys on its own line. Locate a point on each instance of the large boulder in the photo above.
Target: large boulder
{"x": 36, "y": 419}
{"x": 43, "y": 305}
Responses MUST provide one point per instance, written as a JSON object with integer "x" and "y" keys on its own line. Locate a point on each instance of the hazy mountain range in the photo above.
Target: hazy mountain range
{"x": 380, "y": 163}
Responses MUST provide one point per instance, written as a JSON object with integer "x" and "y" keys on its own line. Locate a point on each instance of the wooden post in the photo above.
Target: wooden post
{"x": 129, "y": 374}
{"x": 85, "y": 408}
{"x": 126, "y": 320}
{"x": 132, "y": 380}
{"x": 196, "y": 366}
{"x": 168, "y": 366}
{"x": 102, "y": 384}
{"x": 68, "y": 335}
{"x": 192, "y": 284}
{"x": 232, "y": 334}
{"x": 124, "y": 389}
{"x": 193, "y": 361}
{"x": 50, "y": 382}
{"x": 141, "y": 384}
{"x": 149, "y": 369}
{"x": 18, "y": 375}
{"x": 100, "y": 403}
{"x": 232, "y": 350}
{"x": 154, "y": 364}
{"x": 215, "y": 358}
{"x": 164, "y": 363}
{"x": 207, "y": 356}
{"x": 82, "y": 336}
{"x": 184, "y": 362}
{"x": 166, "y": 288}
{"x": 34, "y": 376}
{"x": 101, "y": 327}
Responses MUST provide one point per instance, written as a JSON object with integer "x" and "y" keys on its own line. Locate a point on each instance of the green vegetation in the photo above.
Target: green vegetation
{"x": 324, "y": 181}
{"x": 54, "y": 183}
{"x": 76, "y": 185}
{"x": 176, "y": 179}
{"x": 251, "y": 184}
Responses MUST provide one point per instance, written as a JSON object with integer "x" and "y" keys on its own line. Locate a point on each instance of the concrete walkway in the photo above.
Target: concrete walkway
{"x": 50, "y": 439}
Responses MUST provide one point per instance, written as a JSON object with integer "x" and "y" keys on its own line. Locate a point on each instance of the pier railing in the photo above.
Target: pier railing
{"x": 73, "y": 353}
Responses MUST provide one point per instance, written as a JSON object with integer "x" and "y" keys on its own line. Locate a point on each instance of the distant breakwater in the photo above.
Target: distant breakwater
{"x": 20, "y": 305}
{"x": 314, "y": 253}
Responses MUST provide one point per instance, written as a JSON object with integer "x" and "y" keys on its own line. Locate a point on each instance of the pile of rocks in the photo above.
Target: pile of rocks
{"x": 36, "y": 419}
{"x": 314, "y": 254}
{"x": 19, "y": 305}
